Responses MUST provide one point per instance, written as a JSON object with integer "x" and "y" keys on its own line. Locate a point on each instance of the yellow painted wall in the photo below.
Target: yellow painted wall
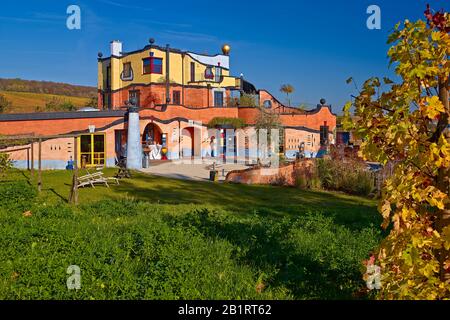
{"x": 179, "y": 70}
{"x": 101, "y": 73}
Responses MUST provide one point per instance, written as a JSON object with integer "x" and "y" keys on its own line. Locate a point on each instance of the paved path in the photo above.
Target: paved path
{"x": 188, "y": 171}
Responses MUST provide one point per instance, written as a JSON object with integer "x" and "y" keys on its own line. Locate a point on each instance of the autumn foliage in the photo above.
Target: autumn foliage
{"x": 405, "y": 124}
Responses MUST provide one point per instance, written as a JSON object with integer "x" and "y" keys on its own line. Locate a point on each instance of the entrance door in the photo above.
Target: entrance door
{"x": 92, "y": 150}
{"x": 152, "y": 134}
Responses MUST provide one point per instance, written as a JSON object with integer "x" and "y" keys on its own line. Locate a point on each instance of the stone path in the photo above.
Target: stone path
{"x": 188, "y": 170}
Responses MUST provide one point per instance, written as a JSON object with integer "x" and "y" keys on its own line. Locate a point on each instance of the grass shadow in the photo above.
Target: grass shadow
{"x": 265, "y": 246}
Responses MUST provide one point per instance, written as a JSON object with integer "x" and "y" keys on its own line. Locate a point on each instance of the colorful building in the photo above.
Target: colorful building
{"x": 163, "y": 97}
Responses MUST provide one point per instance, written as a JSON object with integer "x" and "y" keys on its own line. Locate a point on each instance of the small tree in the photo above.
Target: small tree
{"x": 5, "y": 104}
{"x": 5, "y": 163}
{"x": 247, "y": 100}
{"x": 287, "y": 89}
{"x": 52, "y": 104}
{"x": 268, "y": 120}
{"x": 92, "y": 103}
{"x": 406, "y": 124}
{"x": 67, "y": 106}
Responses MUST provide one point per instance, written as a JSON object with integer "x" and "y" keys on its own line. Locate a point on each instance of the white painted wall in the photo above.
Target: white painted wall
{"x": 213, "y": 61}
{"x": 116, "y": 48}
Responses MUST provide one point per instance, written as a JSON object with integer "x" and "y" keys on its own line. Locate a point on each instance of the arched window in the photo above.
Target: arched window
{"x": 267, "y": 104}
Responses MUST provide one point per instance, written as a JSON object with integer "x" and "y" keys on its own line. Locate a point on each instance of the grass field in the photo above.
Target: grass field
{"x": 158, "y": 238}
{"x": 28, "y": 101}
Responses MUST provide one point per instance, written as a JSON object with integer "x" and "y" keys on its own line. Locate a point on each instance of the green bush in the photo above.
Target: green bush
{"x": 247, "y": 100}
{"x": 5, "y": 163}
{"x": 348, "y": 176}
{"x": 220, "y": 121}
{"x": 307, "y": 178}
{"x": 57, "y": 104}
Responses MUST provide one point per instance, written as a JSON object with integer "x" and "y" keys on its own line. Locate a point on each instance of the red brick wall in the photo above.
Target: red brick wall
{"x": 204, "y": 115}
{"x": 60, "y": 126}
{"x": 286, "y": 175}
{"x": 52, "y": 127}
{"x": 196, "y": 97}
{"x": 312, "y": 121}
{"x": 264, "y": 95}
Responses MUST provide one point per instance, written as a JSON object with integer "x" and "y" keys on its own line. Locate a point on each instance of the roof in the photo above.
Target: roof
{"x": 153, "y": 46}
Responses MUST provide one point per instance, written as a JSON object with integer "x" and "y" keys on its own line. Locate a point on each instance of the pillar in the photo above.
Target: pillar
{"x": 134, "y": 146}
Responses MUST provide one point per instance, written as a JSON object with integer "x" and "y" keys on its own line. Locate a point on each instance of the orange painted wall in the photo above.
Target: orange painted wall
{"x": 52, "y": 127}
{"x": 196, "y": 97}
{"x": 61, "y": 126}
{"x": 309, "y": 120}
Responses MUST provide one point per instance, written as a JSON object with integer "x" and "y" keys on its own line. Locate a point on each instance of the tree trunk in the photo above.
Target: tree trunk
{"x": 443, "y": 179}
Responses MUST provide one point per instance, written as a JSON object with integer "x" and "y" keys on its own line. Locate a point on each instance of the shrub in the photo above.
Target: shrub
{"x": 307, "y": 178}
{"x": 247, "y": 100}
{"x": 56, "y": 104}
{"x": 5, "y": 163}
{"x": 67, "y": 106}
{"x": 5, "y": 104}
{"x": 220, "y": 121}
{"x": 350, "y": 176}
{"x": 93, "y": 102}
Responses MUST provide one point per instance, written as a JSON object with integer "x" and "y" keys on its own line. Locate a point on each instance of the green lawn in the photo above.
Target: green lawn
{"x": 159, "y": 238}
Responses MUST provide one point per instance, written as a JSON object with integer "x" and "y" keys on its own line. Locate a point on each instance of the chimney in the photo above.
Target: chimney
{"x": 116, "y": 48}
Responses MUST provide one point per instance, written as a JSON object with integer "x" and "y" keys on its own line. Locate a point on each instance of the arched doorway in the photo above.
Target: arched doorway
{"x": 152, "y": 134}
{"x": 153, "y": 143}
{"x": 191, "y": 142}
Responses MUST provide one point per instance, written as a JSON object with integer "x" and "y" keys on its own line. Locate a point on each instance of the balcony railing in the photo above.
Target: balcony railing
{"x": 201, "y": 77}
{"x": 223, "y": 80}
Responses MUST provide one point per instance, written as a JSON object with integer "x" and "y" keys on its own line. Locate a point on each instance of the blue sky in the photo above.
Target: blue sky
{"x": 313, "y": 45}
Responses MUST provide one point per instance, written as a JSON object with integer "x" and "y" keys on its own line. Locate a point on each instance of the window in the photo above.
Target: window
{"x": 127, "y": 71}
{"x": 267, "y": 104}
{"x": 209, "y": 73}
{"x": 176, "y": 97}
{"x": 192, "y": 71}
{"x": 218, "y": 75}
{"x": 218, "y": 98}
{"x": 92, "y": 150}
{"x": 108, "y": 77}
{"x": 134, "y": 95}
{"x": 107, "y": 101}
{"x": 152, "y": 65}
{"x": 324, "y": 135}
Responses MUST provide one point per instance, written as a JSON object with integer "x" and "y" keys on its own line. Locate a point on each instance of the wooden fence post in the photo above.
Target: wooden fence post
{"x": 32, "y": 160}
{"x": 73, "y": 197}
{"x": 40, "y": 165}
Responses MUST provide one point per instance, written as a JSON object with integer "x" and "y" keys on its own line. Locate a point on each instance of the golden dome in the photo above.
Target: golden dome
{"x": 226, "y": 49}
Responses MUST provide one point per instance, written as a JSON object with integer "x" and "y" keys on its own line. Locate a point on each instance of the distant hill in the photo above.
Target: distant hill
{"x": 49, "y": 87}
{"x": 41, "y": 96}
{"x": 41, "y": 102}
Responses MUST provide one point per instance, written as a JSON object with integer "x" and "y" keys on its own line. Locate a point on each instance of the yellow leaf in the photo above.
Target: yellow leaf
{"x": 445, "y": 234}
